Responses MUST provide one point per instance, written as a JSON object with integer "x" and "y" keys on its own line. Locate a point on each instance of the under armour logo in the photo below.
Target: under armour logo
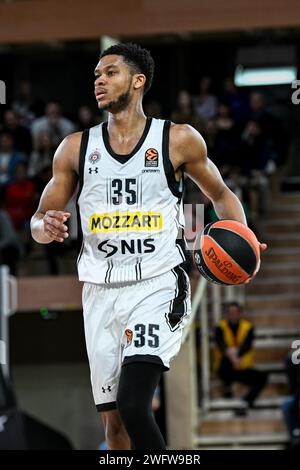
{"x": 91, "y": 170}
{"x": 107, "y": 389}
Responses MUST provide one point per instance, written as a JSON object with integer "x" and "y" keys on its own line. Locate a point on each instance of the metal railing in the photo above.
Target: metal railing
{"x": 8, "y": 306}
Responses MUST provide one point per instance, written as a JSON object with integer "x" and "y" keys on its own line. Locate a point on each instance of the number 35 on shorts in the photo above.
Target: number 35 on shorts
{"x": 144, "y": 335}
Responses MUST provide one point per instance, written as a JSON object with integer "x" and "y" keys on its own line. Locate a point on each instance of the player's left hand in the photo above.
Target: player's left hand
{"x": 262, "y": 247}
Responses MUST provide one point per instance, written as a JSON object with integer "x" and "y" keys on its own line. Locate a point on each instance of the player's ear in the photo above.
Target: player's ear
{"x": 139, "y": 81}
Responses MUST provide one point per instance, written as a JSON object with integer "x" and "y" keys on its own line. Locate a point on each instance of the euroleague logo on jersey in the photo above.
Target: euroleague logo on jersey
{"x": 151, "y": 158}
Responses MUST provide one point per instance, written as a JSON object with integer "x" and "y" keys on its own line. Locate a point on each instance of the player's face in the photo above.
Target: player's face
{"x": 112, "y": 84}
{"x": 233, "y": 314}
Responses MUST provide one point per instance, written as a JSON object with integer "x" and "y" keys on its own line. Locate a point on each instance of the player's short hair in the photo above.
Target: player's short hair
{"x": 138, "y": 59}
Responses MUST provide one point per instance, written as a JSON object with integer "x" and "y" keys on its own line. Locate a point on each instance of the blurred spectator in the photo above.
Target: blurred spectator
{"x": 21, "y": 135}
{"x": 257, "y": 164}
{"x": 153, "y": 109}
{"x": 272, "y": 128}
{"x": 53, "y": 123}
{"x": 54, "y": 251}
{"x": 185, "y": 112}
{"x": 10, "y": 247}
{"x": 210, "y": 137}
{"x": 9, "y": 158}
{"x": 291, "y": 405}
{"x": 259, "y": 113}
{"x": 226, "y": 141}
{"x": 26, "y": 106}
{"x": 20, "y": 198}
{"x": 85, "y": 118}
{"x": 234, "y": 356}
{"x": 257, "y": 153}
{"x": 42, "y": 178}
{"x": 42, "y": 156}
{"x": 206, "y": 103}
{"x": 223, "y": 141}
{"x": 237, "y": 101}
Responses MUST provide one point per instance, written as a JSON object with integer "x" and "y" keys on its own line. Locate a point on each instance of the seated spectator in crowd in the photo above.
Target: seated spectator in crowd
{"x": 42, "y": 156}
{"x": 291, "y": 405}
{"x": 42, "y": 178}
{"x": 9, "y": 158}
{"x": 26, "y": 105}
{"x": 271, "y": 127}
{"x": 234, "y": 356}
{"x": 20, "y": 198}
{"x": 210, "y": 137}
{"x": 206, "y": 104}
{"x": 85, "y": 118}
{"x": 21, "y": 134}
{"x": 237, "y": 100}
{"x": 256, "y": 152}
{"x": 23, "y": 103}
{"x": 226, "y": 141}
{"x": 185, "y": 112}
{"x": 257, "y": 162}
{"x": 53, "y": 123}
{"x": 11, "y": 249}
{"x": 153, "y": 109}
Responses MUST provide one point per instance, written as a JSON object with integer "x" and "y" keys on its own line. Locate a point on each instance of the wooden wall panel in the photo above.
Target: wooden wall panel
{"x": 51, "y": 292}
{"x": 44, "y": 20}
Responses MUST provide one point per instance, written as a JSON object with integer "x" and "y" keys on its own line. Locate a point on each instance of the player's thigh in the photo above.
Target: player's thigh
{"x": 154, "y": 329}
{"x": 103, "y": 343}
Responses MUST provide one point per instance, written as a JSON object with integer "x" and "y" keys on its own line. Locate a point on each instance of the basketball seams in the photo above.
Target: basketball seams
{"x": 206, "y": 273}
{"x": 209, "y": 228}
{"x": 238, "y": 233}
{"x": 228, "y": 256}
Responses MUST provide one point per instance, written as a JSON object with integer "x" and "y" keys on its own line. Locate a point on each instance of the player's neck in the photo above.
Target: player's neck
{"x": 128, "y": 122}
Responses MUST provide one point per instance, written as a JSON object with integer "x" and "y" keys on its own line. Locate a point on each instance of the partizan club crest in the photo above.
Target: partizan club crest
{"x": 94, "y": 157}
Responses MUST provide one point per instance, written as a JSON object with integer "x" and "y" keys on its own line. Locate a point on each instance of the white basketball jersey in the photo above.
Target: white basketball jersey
{"x": 130, "y": 215}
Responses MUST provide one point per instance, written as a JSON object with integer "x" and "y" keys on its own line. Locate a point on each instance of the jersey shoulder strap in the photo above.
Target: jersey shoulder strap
{"x": 176, "y": 187}
{"x": 82, "y": 153}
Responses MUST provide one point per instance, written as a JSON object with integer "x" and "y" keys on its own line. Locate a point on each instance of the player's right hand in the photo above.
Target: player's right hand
{"x": 54, "y": 225}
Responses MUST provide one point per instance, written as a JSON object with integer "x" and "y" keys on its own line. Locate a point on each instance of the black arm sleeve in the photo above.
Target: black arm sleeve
{"x": 219, "y": 338}
{"x": 247, "y": 344}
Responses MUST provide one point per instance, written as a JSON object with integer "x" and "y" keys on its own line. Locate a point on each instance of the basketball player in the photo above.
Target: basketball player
{"x": 136, "y": 296}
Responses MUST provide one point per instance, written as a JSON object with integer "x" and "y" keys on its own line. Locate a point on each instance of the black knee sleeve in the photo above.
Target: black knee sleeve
{"x": 137, "y": 385}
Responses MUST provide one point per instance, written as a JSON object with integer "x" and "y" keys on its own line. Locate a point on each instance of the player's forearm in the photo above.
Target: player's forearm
{"x": 38, "y": 229}
{"x": 228, "y": 206}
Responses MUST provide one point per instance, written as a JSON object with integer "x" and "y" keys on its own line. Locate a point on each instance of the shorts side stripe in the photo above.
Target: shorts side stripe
{"x": 178, "y": 306}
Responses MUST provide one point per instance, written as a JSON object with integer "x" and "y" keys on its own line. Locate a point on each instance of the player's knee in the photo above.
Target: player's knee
{"x": 131, "y": 410}
{"x": 126, "y": 408}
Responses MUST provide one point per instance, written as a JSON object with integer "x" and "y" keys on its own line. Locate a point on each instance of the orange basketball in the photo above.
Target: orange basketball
{"x": 227, "y": 252}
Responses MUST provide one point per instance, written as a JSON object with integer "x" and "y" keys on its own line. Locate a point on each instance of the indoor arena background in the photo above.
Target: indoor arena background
{"x": 227, "y": 68}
